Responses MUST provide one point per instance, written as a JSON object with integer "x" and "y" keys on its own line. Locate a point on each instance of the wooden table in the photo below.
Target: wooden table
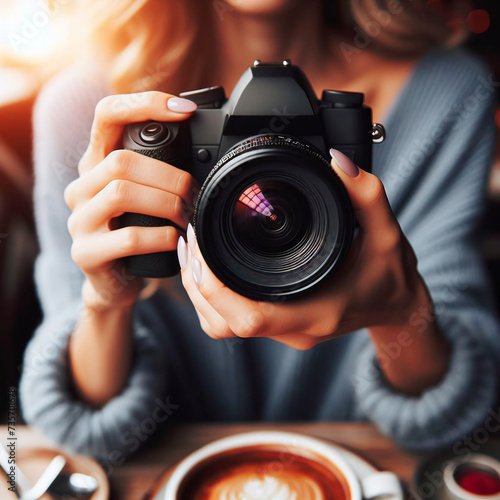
{"x": 132, "y": 479}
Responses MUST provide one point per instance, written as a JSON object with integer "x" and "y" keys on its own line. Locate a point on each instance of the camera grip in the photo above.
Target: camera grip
{"x": 151, "y": 265}
{"x": 167, "y": 142}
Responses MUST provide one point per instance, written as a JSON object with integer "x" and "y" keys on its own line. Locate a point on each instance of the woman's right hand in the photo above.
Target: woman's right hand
{"x": 114, "y": 181}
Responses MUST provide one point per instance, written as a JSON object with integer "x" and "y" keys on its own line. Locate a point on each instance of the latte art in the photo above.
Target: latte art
{"x": 291, "y": 487}
{"x": 264, "y": 473}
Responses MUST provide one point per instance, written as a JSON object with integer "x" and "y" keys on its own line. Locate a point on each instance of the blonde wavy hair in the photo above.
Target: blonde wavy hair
{"x": 148, "y": 44}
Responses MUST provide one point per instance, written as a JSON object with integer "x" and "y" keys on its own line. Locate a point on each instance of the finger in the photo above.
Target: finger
{"x": 132, "y": 166}
{"x": 214, "y": 324}
{"x": 121, "y": 196}
{"x": 369, "y": 200}
{"x": 240, "y": 313}
{"x": 245, "y": 317}
{"x": 315, "y": 315}
{"x": 204, "y": 324}
{"x": 96, "y": 251}
{"x": 114, "y": 112}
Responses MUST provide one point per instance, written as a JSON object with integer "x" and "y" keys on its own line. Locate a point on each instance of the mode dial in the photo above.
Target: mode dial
{"x": 210, "y": 97}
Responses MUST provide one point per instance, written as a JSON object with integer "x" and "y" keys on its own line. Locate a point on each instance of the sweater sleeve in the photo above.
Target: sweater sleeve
{"x": 62, "y": 119}
{"x": 450, "y": 200}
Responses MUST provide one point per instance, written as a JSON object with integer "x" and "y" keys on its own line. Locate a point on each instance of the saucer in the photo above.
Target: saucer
{"x": 33, "y": 461}
{"x": 361, "y": 469}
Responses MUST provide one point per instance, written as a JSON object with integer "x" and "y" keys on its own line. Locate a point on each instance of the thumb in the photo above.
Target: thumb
{"x": 368, "y": 197}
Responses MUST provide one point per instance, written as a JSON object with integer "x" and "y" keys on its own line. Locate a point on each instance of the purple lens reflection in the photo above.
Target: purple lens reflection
{"x": 253, "y": 198}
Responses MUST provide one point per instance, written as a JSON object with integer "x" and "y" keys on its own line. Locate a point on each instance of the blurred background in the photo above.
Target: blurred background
{"x": 34, "y": 45}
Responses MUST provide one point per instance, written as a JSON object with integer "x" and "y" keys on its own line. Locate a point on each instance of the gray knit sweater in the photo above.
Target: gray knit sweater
{"x": 435, "y": 166}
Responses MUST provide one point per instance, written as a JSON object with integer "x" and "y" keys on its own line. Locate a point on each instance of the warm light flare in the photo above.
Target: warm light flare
{"x": 28, "y": 29}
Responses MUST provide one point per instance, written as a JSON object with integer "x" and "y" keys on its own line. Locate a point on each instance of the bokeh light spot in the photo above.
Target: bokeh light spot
{"x": 478, "y": 21}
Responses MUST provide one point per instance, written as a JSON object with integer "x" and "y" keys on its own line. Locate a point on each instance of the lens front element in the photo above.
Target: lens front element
{"x": 273, "y": 220}
{"x": 270, "y": 219}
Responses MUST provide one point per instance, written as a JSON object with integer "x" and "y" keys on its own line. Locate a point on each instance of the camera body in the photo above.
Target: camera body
{"x": 273, "y": 110}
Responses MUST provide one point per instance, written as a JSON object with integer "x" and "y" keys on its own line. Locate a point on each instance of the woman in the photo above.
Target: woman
{"x": 412, "y": 348}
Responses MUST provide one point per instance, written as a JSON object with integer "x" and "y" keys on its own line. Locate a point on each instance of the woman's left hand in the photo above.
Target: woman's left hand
{"x": 378, "y": 284}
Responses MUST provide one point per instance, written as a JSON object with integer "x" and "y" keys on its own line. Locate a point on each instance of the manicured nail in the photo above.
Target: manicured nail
{"x": 344, "y": 163}
{"x": 196, "y": 266}
{"x": 191, "y": 238}
{"x": 181, "y": 105}
{"x": 182, "y": 252}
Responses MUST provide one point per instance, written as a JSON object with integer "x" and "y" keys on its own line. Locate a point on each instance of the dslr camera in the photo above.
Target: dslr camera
{"x": 272, "y": 219}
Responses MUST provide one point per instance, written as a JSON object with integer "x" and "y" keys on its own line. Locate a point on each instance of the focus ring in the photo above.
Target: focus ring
{"x": 255, "y": 143}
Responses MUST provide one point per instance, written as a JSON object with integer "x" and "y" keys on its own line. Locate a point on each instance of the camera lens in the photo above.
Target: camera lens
{"x": 273, "y": 220}
{"x": 269, "y": 217}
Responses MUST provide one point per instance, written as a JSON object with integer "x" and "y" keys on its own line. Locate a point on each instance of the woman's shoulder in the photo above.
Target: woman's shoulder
{"x": 459, "y": 57}
{"x": 444, "y": 114}
{"x": 62, "y": 120}
{"x": 71, "y": 95}
{"x": 446, "y": 87}
{"x": 452, "y": 74}
{"x": 78, "y": 80}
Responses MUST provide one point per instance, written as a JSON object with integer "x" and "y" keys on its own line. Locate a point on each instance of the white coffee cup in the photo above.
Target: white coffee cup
{"x": 475, "y": 462}
{"x": 379, "y": 484}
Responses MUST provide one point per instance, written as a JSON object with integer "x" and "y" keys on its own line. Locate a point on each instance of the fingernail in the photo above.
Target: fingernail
{"x": 181, "y": 105}
{"x": 196, "y": 267}
{"x": 344, "y": 163}
{"x": 182, "y": 252}
{"x": 191, "y": 238}
{"x": 189, "y": 254}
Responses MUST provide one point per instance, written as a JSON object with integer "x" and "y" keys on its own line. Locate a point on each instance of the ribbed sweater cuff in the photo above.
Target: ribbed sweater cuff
{"x": 48, "y": 403}
{"x": 454, "y": 407}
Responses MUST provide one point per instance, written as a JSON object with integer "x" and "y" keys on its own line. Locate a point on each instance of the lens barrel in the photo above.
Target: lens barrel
{"x": 272, "y": 219}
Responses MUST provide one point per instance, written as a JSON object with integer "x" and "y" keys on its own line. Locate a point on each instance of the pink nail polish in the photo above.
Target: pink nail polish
{"x": 196, "y": 266}
{"x": 182, "y": 252}
{"x": 181, "y": 105}
{"x": 191, "y": 238}
{"x": 344, "y": 163}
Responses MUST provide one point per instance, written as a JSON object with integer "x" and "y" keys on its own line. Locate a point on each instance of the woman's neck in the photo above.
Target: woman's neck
{"x": 299, "y": 34}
